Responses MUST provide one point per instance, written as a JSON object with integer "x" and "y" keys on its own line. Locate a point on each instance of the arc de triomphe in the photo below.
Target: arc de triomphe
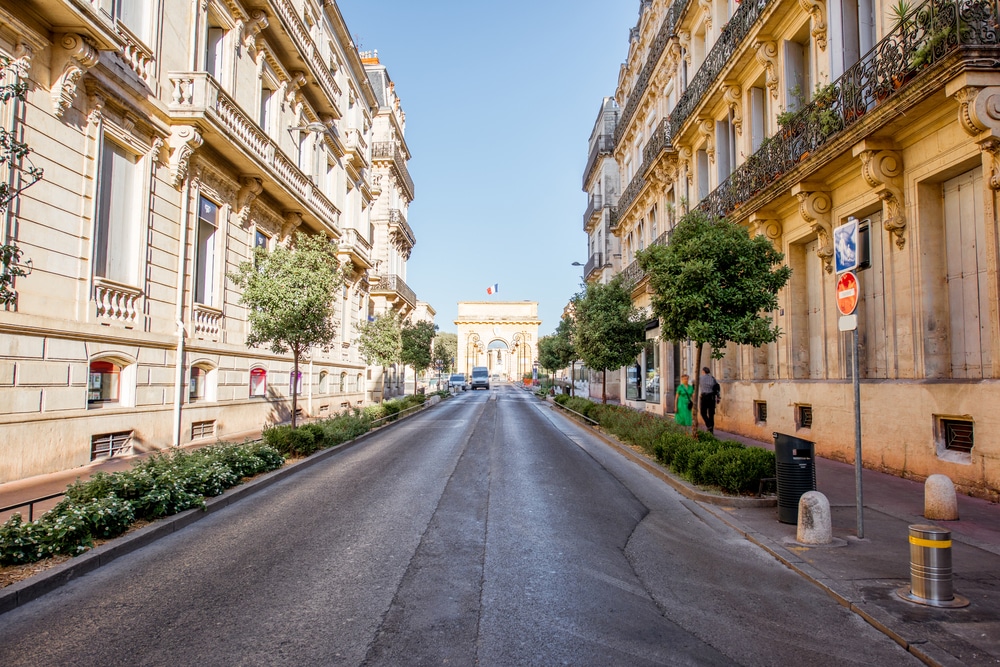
{"x": 501, "y": 335}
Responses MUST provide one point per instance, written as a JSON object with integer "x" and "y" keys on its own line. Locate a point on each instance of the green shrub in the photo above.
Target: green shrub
{"x": 345, "y": 427}
{"x": 292, "y": 441}
{"x": 671, "y": 442}
{"x": 742, "y": 474}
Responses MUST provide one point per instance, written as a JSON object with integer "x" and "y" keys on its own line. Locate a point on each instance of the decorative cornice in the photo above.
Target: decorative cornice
{"x": 71, "y": 57}
{"x": 250, "y": 187}
{"x": 183, "y": 142}
{"x": 766, "y": 223}
{"x": 817, "y": 13}
{"x": 815, "y": 207}
{"x": 882, "y": 169}
{"x": 734, "y": 98}
{"x": 292, "y": 221}
{"x": 766, "y": 52}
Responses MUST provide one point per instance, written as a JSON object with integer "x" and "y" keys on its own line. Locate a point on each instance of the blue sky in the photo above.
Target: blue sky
{"x": 500, "y": 100}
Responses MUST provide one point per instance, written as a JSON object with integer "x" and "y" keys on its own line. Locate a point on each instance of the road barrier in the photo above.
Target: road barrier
{"x": 930, "y": 569}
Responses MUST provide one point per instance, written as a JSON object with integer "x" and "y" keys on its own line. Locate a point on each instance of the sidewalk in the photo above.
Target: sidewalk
{"x": 865, "y": 574}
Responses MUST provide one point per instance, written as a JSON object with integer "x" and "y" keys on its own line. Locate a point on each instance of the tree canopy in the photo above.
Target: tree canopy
{"x": 416, "y": 339}
{"x": 446, "y": 351}
{"x": 608, "y": 330}
{"x": 713, "y": 283}
{"x": 556, "y": 351}
{"x": 290, "y": 296}
{"x": 380, "y": 341}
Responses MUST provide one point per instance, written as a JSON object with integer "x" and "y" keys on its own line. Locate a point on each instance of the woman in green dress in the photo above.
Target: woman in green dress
{"x": 682, "y": 404}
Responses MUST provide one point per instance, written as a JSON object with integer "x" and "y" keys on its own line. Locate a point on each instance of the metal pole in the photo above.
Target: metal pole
{"x": 856, "y": 371}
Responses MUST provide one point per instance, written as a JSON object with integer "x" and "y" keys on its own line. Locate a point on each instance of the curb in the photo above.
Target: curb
{"x": 928, "y": 652}
{"x": 33, "y": 587}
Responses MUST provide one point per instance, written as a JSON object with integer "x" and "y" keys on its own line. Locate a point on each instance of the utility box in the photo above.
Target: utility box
{"x": 795, "y": 460}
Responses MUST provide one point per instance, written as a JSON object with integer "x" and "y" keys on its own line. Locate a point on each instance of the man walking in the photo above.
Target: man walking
{"x": 708, "y": 395}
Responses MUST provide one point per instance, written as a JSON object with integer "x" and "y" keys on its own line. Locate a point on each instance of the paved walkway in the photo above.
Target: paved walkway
{"x": 864, "y": 574}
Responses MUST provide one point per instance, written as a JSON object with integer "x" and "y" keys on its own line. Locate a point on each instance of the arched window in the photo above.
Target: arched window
{"x": 202, "y": 385}
{"x": 258, "y": 382}
{"x": 324, "y": 382}
{"x": 343, "y": 382}
{"x": 361, "y": 383}
{"x": 103, "y": 385}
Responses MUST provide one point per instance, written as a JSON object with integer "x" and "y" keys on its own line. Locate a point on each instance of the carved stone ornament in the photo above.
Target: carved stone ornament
{"x": 706, "y": 11}
{"x": 882, "y": 169}
{"x": 817, "y": 12}
{"x": 71, "y": 57}
{"x": 767, "y": 55}
{"x": 184, "y": 141}
{"x": 95, "y": 102}
{"x": 979, "y": 114}
{"x": 734, "y": 99}
{"x": 815, "y": 207}
{"x": 763, "y": 223}
{"x": 21, "y": 64}
{"x": 292, "y": 221}
{"x": 707, "y": 128}
{"x": 258, "y": 21}
{"x": 684, "y": 37}
{"x": 991, "y": 155}
{"x": 250, "y": 187}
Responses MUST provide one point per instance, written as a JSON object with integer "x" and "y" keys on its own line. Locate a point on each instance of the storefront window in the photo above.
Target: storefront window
{"x": 652, "y": 371}
{"x": 258, "y": 382}
{"x": 196, "y": 391}
{"x": 633, "y": 384}
{"x": 102, "y": 385}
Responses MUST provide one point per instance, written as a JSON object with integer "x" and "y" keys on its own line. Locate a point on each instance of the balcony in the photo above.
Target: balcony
{"x": 198, "y": 100}
{"x": 594, "y": 207}
{"x": 658, "y": 144}
{"x": 395, "y": 290}
{"x": 117, "y": 302}
{"x": 399, "y": 229}
{"x": 593, "y": 264}
{"x": 356, "y": 149}
{"x": 932, "y": 33}
{"x": 633, "y": 274}
{"x": 388, "y": 151}
{"x": 357, "y": 248}
{"x": 604, "y": 145}
{"x": 207, "y": 322}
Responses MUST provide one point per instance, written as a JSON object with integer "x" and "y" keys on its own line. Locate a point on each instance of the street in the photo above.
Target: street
{"x": 489, "y": 530}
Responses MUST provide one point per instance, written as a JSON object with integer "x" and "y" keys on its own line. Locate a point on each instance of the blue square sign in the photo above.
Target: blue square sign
{"x": 845, "y": 246}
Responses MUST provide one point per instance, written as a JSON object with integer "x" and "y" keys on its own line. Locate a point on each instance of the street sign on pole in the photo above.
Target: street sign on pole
{"x": 847, "y": 293}
{"x": 845, "y": 246}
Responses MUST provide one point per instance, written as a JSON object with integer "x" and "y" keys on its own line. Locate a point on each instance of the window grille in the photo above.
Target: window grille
{"x": 805, "y": 416}
{"x": 108, "y": 445}
{"x": 203, "y": 429}
{"x": 958, "y": 435}
{"x": 760, "y": 411}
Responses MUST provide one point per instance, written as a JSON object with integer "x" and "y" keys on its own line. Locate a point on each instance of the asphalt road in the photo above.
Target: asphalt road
{"x": 487, "y": 531}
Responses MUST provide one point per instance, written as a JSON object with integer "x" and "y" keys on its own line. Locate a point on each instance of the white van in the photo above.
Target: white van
{"x": 480, "y": 378}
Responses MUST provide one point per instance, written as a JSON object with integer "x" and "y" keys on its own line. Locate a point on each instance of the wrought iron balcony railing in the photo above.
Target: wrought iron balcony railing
{"x": 633, "y": 273}
{"x": 659, "y": 142}
{"x": 718, "y": 57}
{"x": 594, "y": 204}
{"x": 595, "y": 262}
{"x": 388, "y": 150}
{"x": 393, "y": 283}
{"x": 398, "y": 221}
{"x": 932, "y": 31}
{"x": 667, "y": 30}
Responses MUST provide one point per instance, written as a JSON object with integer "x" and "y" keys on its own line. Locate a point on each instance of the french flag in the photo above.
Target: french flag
{"x": 493, "y": 289}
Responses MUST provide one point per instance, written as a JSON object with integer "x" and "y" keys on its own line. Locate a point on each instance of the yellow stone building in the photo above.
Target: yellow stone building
{"x": 501, "y": 335}
{"x": 792, "y": 117}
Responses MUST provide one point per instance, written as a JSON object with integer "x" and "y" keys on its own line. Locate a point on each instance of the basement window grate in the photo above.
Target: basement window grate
{"x": 204, "y": 429}
{"x": 108, "y": 445}
{"x": 958, "y": 435}
{"x": 805, "y": 416}
{"x": 760, "y": 412}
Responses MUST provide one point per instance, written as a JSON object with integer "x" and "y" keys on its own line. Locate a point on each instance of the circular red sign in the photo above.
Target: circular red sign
{"x": 847, "y": 293}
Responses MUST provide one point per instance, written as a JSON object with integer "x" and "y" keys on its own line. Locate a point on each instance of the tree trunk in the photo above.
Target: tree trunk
{"x": 572, "y": 378}
{"x": 295, "y": 384}
{"x": 383, "y": 385}
{"x": 604, "y": 386}
{"x": 697, "y": 395}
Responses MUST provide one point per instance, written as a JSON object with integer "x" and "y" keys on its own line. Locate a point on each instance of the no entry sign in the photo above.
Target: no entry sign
{"x": 847, "y": 293}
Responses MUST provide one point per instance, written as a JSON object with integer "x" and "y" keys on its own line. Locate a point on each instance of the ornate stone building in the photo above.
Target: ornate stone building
{"x": 501, "y": 335}
{"x": 176, "y": 137}
{"x": 792, "y": 117}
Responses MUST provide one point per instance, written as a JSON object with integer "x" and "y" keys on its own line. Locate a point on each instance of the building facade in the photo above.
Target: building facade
{"x": 176, "y": 138}
{"x": 791, "y": 117}
{"x": 501, "y": 335}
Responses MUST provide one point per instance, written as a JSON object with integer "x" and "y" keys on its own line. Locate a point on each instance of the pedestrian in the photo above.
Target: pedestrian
{"x": 708, "y": 395}
{"x": 683, "y": 403}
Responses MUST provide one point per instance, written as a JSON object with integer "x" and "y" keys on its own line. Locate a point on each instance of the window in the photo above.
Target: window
{"x": 261, "y": 240}
{"x": 203, "y": 429}
{"x": 258, "y": 382}
{"x": 958, "y": 435}
{"x": 133, "y": 14}
{"x": 343, "y": 383}
{"x": 803, "y": 416}
{"x": 725, "y": 147}
{"x": 215, "y": 50}
{"x": 196, "y": 390}
{"x": 108, "y": 445}
{"x": 702, "y": 165}
{"x": 204, "y": 279}
{"x": 324, "y": 382}
{"x": 760, "y": 412}
{"x": 103, "y": 385}
{"x": 758, "y": 117}
{"x": 797, "y": 84}
{"x": 117, "y": 229}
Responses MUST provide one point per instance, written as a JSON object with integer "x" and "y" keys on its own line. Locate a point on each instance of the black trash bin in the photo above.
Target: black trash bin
{"x": 796, "y": 467}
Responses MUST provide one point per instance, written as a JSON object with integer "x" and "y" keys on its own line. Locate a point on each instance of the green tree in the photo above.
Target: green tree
{"x": 608, "y": 330}
{"x": 417, "y": 339}
{"x": 380, "y": 342}
{"x": 714, "y": 284}
{"x": 290, "y": 294}
{"x": 446, "y": 351}
{"x": 21, "y": 174}
{"x": 557, "y": 351}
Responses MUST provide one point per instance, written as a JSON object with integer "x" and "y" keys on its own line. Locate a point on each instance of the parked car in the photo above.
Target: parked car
{"x": 457, "y": 382}
{"x": 480, "y": 378}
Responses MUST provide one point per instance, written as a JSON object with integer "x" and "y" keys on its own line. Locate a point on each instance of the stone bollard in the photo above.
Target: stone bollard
{"x": 940, "y": 502}
{"x": 815, "y": 525}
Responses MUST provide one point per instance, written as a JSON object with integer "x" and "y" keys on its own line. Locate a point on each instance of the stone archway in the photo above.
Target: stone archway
{"x": 498, "y": 358}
